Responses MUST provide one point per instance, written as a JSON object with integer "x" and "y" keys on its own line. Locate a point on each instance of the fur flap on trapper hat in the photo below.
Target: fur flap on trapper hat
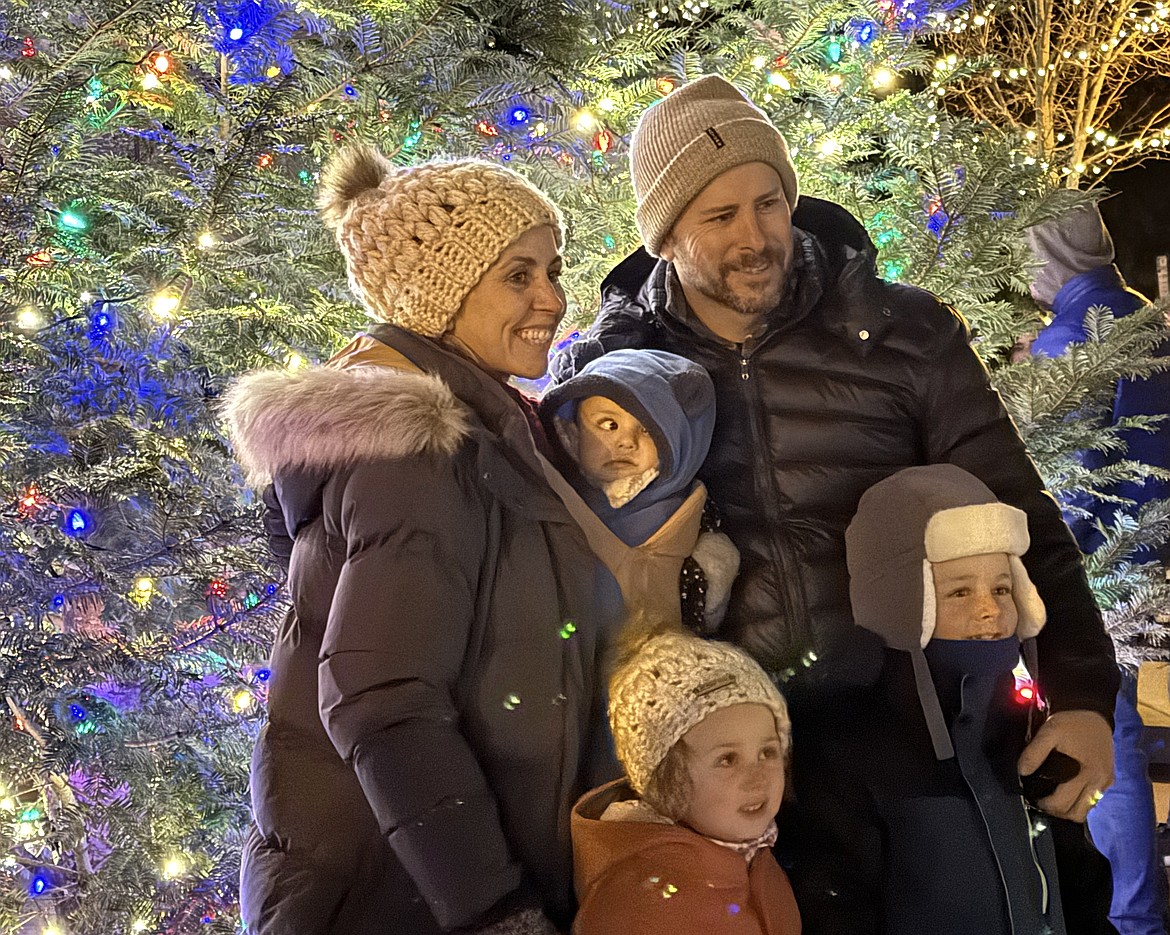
{"x": 668, "y": 683}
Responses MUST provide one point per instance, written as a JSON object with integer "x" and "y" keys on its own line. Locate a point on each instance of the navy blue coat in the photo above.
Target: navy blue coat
{"x": 889, "y": 840}
{"x": 1104, "y": 286}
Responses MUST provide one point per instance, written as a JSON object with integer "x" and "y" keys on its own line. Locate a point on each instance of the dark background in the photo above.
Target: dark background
{"x": 1137, "y": 215}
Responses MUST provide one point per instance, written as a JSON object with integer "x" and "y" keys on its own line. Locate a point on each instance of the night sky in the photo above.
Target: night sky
{"x": 1138, "y": 217}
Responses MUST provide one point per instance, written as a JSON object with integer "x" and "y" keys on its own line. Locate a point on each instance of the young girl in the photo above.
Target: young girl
{"x": 683, "y": 844}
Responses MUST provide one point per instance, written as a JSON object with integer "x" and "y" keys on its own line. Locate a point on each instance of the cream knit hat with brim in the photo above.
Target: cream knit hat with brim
{"x": 689, "y": 138}
{"x": 416, "y": 240}
{"x": 670, "y": 684}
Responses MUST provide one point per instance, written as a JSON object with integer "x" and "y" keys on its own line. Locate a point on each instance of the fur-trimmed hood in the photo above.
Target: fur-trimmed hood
{"x": 326, "y": 417}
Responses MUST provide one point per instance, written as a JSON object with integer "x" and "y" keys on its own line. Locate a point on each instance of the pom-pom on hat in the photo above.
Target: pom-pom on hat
{"x": 417, "y": 239}
{"x": 694, "y": 134}
{"x": 671, "y": 682}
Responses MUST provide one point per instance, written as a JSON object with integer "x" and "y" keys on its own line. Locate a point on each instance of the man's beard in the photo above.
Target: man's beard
{"x": 749, "y": 303}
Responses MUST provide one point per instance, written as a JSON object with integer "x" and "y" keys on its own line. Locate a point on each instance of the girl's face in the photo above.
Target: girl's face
{"x": 736, "y": 762}
{"x": 509, "y": 319}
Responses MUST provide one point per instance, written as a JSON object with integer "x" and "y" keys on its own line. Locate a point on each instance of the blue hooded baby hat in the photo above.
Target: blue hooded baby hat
{"x": 674, "y": 400}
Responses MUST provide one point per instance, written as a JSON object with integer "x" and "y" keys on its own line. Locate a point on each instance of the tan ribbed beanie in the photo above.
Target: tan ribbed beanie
{"x": 670, "y": 684}
{"x": 687, "y": 139}
{"x": 416, "y": 240}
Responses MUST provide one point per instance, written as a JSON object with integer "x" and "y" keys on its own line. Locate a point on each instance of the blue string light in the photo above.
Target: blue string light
{"x": 255, "y": 35}
{"x": 102, "y": 320}
{"x": 78, "y": 523}
{"x": 566, "y": 341}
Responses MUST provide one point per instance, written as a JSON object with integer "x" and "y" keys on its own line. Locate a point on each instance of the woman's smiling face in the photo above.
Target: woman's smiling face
{"x": 510, "y": 317}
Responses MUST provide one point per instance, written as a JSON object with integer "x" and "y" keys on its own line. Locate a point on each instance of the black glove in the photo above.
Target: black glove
{"x": 1057, "y": 768}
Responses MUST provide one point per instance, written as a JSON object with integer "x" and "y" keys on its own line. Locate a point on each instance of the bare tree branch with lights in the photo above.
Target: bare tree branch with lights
{"x": 1082, "y": 80}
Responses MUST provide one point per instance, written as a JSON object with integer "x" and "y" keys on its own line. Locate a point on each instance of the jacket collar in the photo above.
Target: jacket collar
{"x": 297, "y": 427}
{"x": 513, "y": 470}
{"x": 835, "y": 258}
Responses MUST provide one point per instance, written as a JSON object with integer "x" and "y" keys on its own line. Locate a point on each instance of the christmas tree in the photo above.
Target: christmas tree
{"x": 158, "y": 237}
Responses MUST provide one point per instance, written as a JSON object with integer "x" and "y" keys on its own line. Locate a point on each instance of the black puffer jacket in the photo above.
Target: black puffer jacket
{"x": 432, "y": 715}
{"x": 853, "y": 380}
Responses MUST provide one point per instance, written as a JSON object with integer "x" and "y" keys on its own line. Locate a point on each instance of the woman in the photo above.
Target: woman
{"x": 434, "y": 690}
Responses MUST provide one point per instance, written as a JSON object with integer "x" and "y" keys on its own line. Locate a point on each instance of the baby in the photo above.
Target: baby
{"x": 683, "y": 844}
{"x": 635, "y": 426}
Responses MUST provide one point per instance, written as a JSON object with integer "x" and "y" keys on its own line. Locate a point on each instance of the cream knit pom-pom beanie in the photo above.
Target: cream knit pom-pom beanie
{"x": 416, "y": 240}
{"x": 670, "y": 683}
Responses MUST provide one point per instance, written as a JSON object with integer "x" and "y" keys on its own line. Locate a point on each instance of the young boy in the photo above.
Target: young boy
{"x": 917, "y": 821}
{"x": 683, "y": 844}
{"x": 635, "y": 426}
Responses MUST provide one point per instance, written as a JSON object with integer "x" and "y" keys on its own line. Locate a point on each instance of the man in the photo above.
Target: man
{"x": 827, "y": 380}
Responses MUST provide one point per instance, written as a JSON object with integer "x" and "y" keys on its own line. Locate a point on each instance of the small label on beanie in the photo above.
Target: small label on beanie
{"x": 713, "y": 685}
{"x": 715, "y": 137}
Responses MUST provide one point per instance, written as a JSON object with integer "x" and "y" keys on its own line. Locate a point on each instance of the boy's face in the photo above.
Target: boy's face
{"x": 612, "y": 443}
{"x": 736, "y": 764}
{"x": 974, "y": 598}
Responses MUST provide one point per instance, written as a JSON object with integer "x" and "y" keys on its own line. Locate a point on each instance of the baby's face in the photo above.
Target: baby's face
{"x": 736, "y": 762}
{"x": 974, "y": 597}
{"x": 613, "y": 444}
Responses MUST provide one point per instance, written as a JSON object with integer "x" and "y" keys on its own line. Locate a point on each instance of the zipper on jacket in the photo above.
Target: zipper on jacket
{"x": 795, "y": 607}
